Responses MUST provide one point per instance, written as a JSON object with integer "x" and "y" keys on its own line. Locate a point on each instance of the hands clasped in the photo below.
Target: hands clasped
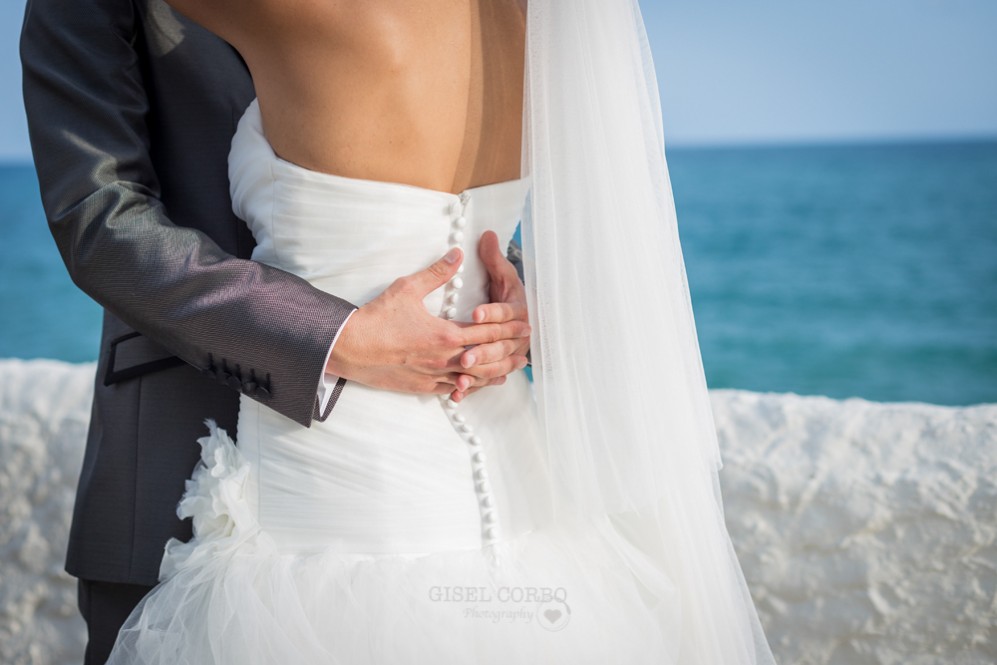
{"x": 394, "y": 343}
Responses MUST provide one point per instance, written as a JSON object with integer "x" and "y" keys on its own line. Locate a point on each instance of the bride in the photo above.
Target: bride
{"x": 577, "y": 519}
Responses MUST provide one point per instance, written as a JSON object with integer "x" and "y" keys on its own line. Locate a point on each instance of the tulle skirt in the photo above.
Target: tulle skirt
{"x": 555, "y": 594}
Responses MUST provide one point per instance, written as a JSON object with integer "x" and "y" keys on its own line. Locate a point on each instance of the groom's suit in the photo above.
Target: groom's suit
{"x": 131, "y": 111}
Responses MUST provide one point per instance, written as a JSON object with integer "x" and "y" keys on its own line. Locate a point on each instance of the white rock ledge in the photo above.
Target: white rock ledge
{"x": 867, "y": 531}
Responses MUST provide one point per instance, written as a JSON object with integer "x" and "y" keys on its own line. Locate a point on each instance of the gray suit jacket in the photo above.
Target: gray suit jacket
{"x": 131, "y": 110}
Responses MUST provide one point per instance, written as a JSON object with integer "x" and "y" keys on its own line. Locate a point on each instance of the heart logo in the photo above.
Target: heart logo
{"x": 553, "y": 615}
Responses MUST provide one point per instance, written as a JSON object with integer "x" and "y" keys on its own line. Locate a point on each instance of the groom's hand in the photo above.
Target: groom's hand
{"x": 394, "y": 343}
{"x": 507, "y": 303}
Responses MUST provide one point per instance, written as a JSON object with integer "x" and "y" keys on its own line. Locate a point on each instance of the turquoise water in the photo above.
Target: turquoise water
{"x": 842, "y": 270}
{"x": 44, "y": 314}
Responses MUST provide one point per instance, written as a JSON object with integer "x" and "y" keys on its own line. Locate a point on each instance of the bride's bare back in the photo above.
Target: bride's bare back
{"x": 428, "y": 93}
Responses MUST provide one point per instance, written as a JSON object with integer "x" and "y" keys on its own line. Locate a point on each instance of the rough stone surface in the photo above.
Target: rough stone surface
{"x": 867, "y": 531}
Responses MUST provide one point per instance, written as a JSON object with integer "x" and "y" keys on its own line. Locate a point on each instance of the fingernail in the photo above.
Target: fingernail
{"x": 452, "y": 255}
{"x": 469, "y": 360}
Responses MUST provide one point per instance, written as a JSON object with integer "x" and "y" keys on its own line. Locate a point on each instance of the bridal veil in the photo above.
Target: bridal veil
{"x": 617, "y": 367}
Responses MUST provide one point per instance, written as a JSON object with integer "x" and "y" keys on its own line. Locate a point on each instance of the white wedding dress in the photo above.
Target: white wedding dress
{"x": 404, "y": 529}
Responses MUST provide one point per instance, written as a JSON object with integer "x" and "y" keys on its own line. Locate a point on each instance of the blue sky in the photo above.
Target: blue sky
{"x": 801, "y": 69}
{"x": 770, "y": 70}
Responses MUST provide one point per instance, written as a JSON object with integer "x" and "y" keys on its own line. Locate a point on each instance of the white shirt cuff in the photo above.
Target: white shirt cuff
{"x": 328, "y": 381}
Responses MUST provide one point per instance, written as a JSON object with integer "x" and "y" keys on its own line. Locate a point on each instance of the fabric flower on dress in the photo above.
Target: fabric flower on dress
{"x": 215, "y": 498}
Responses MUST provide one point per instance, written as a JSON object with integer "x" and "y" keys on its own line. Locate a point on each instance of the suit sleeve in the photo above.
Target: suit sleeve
{"x": 263, "y": 331}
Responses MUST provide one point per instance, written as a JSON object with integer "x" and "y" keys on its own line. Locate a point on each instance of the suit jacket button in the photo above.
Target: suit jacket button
{"x": 249, "y": 387}
{"x": 262, "y": 392}
{"x": 234, "y": 382}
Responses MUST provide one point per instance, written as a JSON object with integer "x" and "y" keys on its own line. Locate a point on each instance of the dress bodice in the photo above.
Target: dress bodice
{"x": 387, "y": 471}
{"x": 352, "y": 237}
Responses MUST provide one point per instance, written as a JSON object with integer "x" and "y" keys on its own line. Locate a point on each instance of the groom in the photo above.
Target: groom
{"x": 131, "y": 110}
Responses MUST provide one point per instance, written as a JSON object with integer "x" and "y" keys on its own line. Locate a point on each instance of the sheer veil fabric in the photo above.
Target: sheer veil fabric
{"x": 619, "y": 380}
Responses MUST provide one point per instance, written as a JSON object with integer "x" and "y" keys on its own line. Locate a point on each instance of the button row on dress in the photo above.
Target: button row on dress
{"x": 482, "y": 488}
{"x": 478, "y": 472}
{"x": 450, "y": 295}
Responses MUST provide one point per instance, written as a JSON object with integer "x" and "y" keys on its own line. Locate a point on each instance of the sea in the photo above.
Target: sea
{"x": 847, "y": 270}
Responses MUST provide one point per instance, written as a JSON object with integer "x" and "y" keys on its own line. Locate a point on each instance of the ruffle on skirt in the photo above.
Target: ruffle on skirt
{"x": 555, "y": 595}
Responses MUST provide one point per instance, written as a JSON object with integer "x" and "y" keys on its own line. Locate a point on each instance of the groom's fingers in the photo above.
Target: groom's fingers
{"x": 473, "y": 334}
{"x": 499, "y": 312}
{"x": 495, "y": 261}
{"x": 458, "y": 395}
{"x": 493, "y": 370}
{"x": 431, "y": 278}
{"x": 484, "y": 354}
